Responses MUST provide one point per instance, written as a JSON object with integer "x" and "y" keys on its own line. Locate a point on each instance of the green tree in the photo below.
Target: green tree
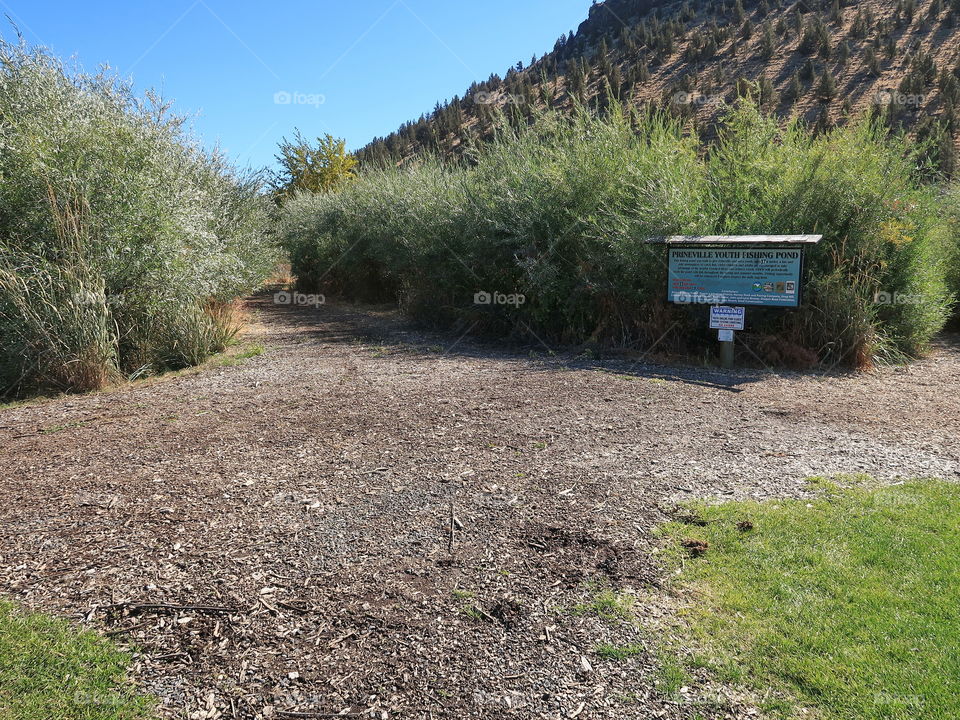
{"x": 326, "y": 167}
{"x": 827, "y": 87}
{"x": 767, "y": 42}
{"x": 794, "y": 89}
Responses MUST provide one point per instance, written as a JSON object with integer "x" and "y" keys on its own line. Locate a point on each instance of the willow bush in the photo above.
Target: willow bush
{"x": 122, "y": 242}
{"x": 560, "y": 213}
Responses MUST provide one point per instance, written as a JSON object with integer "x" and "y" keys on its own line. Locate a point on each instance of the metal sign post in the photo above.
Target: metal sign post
{"x": 727, "y": 320}
{"x": 727, "y": 351}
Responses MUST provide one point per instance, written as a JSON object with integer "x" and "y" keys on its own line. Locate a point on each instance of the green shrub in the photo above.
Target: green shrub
{"x": 560, "y": 212}
{"x": 951, "y": 240}
{"x": 121, "y": 241}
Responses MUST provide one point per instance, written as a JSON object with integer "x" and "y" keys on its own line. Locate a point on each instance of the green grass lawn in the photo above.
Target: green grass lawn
{"x": 51, "y": 671}
{"x": 848, "y": 604}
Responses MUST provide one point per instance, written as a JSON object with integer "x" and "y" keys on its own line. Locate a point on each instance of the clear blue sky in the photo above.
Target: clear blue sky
{"x": 353, "y": 68}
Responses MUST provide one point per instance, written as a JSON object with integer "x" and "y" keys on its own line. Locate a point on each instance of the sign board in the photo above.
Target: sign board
{"x": 725, "y": 335}
{"x": 724, "y": 317}
{"x": 767, "y": 276}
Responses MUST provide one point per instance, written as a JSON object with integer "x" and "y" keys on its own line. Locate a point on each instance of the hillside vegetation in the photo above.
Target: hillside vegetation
{"x": 554, "y": 217}
{"x": 122, "y": 242}
{"x": 824, "y": 61}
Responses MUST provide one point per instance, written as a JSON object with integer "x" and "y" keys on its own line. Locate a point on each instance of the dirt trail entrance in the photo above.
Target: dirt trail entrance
{"x": 366, "y": 521}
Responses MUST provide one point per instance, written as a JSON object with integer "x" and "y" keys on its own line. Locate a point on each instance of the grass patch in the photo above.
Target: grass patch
{"x": 54, "y": 429}
{"x": 472, "y": 612}
{"x": 607, "y": 604}
{"x": 50, "y": 670}
{"x": 849, "y": 603}
{"x": 618, "y": 652}
{"x": 229, "y": 359}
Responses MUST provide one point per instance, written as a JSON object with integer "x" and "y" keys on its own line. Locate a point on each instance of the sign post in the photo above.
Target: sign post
{"x": 727, "y": 320}
{"x": 731, "y": 272}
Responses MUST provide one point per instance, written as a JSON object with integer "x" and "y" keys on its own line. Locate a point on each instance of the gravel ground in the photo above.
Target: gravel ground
{"x": 368, "y": 521}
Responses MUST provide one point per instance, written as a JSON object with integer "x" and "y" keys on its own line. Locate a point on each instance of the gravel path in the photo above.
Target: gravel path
{"x": 367, "y": 522}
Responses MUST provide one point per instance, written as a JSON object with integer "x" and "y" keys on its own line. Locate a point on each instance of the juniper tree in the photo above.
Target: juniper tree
{"x": 827, "y": 87}
{"x": 890, "y": 47}
{"x": 794, "y": 89}
{"x": 835, "y": 15}
{"x": 767, "y": 43}
{"x": 768, "y": 95}
{"x": 824, "y": 124}
{"x": 843, "y": 53}
{"x": 872, "y": 62}
{"x": 810, "y": 40}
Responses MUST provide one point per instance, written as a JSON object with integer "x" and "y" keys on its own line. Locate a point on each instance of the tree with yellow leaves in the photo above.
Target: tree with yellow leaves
{"x": 326, "y": 167}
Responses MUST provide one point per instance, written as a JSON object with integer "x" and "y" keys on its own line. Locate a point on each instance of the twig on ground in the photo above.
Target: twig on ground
{"x": 453, "y": 530}
{"x": 161, "y": 607}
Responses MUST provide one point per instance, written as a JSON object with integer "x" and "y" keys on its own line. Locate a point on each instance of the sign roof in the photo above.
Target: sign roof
{"x": 736, "y": 239}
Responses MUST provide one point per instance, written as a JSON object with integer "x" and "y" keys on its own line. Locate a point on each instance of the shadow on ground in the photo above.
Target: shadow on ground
{"x": 383, "y": 325}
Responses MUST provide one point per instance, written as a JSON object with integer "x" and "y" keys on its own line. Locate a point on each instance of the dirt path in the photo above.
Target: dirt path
{"x": 306, "y": 496}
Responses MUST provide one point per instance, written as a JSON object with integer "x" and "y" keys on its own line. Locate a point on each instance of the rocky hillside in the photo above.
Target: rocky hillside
{"x": 821, "y": 60}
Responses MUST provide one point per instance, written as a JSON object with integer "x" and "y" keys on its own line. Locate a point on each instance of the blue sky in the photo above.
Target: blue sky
{"x": 250, "y": 72}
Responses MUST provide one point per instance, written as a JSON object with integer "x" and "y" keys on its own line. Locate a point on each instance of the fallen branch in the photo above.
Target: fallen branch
{"x": 453, "y": 530}
{"x": 163, "y": 607}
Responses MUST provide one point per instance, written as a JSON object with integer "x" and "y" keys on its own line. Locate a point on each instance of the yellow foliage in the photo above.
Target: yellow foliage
{"x": 894, "y": 232}
{"x": 324, "y": 168}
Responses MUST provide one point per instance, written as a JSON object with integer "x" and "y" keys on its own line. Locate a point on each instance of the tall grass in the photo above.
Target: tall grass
{"x": 560, "y": 213}
{"x": 122, "y": 242}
